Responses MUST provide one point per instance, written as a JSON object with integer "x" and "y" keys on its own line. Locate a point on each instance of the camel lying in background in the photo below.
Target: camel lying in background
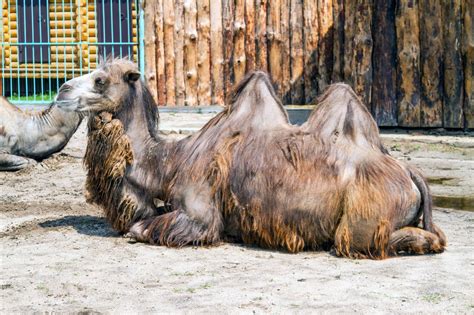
{"x": 28, "y": 138}
{"x": 248, "y": 175}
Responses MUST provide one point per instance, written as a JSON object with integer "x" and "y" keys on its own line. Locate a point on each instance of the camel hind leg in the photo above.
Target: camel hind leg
{"x": 414, "y": 240}
{"x": 10, "y": 162}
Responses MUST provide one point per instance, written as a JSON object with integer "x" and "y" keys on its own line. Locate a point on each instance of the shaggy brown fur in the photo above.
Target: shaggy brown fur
{"x": 250, "y": 176}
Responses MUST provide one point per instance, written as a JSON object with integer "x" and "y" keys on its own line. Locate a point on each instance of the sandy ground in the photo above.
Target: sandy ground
{"x": 58, "y": 253}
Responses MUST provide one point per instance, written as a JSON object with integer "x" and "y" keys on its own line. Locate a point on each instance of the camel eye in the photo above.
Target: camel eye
{"x": 99, "y": 82}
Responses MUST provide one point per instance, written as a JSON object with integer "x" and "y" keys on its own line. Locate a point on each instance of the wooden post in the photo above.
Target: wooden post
{"x": 274, "y": 43}
{"x": 168, "y": 30}
{"x": 239, "y": 63}
{"x": 203, "y": 61}
{"x": 297, "y": 58}
{"x": 160, "y": 54}
{"x": 310, "y": 47}
{"x": 408, "y": 67}
{"x": 149, "y": 8}
{"x": 228, "y": 22}
{"x": 431, "y": 61}
{"x": 217, "y": 53}
{"x": 285, "y": 65}
{"x": 325, "y": 46}
{"x": 261, "y": 35}
{"x": 179, "y": 51}
{"x": 250, "y": 35}
{"x": 338, "y": 47}
{"x": 453, "y": 72}
{"x": 190, "y": 47}
{"x": 384, "y": 93}
{"x": 468, "y": 49}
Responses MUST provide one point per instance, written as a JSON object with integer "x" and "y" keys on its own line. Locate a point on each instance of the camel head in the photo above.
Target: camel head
{"x": 104, "y": 89}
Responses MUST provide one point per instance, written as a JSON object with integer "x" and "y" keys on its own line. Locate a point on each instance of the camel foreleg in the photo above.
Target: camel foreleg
{"x": 10, "y": 162}
{"x": 175, "y": 229}
{"x": 414, "y": 240}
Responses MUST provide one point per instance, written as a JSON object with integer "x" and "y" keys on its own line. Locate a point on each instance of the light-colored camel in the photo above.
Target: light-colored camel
{"x": 27, "y": 138}
{"x": 248, "y": 175}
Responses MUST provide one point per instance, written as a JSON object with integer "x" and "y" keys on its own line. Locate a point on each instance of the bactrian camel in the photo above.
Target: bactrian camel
{"x": 250, "y": 176}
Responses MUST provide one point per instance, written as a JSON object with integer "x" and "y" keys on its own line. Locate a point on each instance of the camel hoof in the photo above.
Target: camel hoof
{"x": 131, "y": 238}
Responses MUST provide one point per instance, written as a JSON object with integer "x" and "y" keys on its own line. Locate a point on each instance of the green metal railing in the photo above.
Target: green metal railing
{"x": 46, "y": 42}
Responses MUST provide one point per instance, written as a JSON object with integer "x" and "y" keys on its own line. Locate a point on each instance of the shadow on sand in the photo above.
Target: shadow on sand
{"x": 83, "y": 224}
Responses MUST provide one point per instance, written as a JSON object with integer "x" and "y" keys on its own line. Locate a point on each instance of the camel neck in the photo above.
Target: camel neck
{"x": 151, "y": 153}
{"x": 53, "y": 126}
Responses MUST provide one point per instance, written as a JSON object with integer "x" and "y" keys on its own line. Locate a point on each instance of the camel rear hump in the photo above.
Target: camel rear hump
{"x": 340, "y": 114}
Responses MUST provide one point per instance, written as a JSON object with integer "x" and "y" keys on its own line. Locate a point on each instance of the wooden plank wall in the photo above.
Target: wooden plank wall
{"x": 69, "y": 21}
{"x": 410, "y": 61}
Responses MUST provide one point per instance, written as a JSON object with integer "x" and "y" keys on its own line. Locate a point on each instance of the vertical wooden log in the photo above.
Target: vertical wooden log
{"x": 325, "y": 47}
{"x": 338, "y": 47}
{"x": 384, "y": 94}
{"x": 274, "y": 43}
{"x": 239, "y": 40}
{"x": 408, "y": 63}
{"x": 203, "y": 61}
{"x": 150, "y": 49}
{"x": 359, "y": 63}
{"x": 297, "y": 58}
{"x": 285, "y": 51}
{"x": 261, "y": 35}
{"x": 349, "y": 35}
{"x": 310, "y": 46}
{"x": 431, "y": 61}
{"x": 168, "y": 30}
{"x": 217, "y": 53}
{"x": 228, "y": 20}
{"x": 468, "y": 49}
{"x": 250, "y": 35}
{"x": 453, "y": 72}
{"x": 160, "y": 54}
{"x": 190, "y": 49}
{"x": 179, "y": 51}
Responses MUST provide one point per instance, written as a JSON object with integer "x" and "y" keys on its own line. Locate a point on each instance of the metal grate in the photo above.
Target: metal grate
{"x": 46, "y": 42}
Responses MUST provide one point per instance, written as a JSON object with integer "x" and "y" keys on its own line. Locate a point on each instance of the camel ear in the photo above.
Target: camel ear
{"x": 132, "y": 76}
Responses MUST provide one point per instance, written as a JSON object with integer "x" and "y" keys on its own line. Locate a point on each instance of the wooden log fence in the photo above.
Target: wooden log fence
{"x": 410, "y": 61}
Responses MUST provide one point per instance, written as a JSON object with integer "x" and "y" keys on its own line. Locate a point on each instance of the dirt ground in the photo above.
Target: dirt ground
{"x": 58, "y": 253}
